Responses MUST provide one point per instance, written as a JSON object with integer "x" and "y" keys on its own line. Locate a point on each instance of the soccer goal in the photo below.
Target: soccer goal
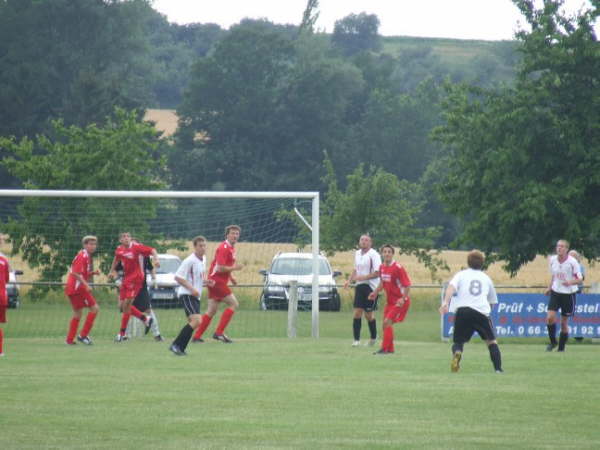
{"x": 42, "y": 230}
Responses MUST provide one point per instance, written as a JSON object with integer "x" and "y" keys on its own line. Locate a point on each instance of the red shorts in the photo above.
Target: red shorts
{"x": 81, "y": 300}
{"x": 219, "y": 291}
{"x": 2, "y": 314}
{"x": 129, "y": 289}
{"x": 396, "y": 313}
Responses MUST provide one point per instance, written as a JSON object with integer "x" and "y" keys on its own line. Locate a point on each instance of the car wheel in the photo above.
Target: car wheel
{"x": 335, "y": 303}
{"x": 14, "y": 304}
{"x": 263, "y": 303}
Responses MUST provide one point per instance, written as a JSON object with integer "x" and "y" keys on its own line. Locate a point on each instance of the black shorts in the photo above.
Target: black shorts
{"x": 142, "y": 299}
{"x": 361, "y": 298}
{"x": 564, "y": 302}
{"x": 467, "y": 321}
{"x": 191, "y": 304}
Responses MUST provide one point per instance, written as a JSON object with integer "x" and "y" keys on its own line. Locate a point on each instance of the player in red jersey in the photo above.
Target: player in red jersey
{"x": 128, "y": 254}
{"x": 395, "y": 282}
{"x": 220, "y": 272}
{"x": 80, "y": 293}
{"x": 4, "y": 278}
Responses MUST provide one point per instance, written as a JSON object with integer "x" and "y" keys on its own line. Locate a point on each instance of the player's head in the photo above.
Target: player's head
{"x": 475, "y": 259}
{"x": 125, "y": 238}
{"x": 232, "y": 233}
{"x": 199, "y": 243}
{"x": 365, "y": 242}
{"x": 387, "y": 252}
{"x": 90, "y": 243}
{"x": 575, "y": 255}
{"x": 562, "y": 247}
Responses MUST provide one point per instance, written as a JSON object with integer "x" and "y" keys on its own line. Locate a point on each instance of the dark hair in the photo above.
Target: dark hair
{"x": 232, "y": 227}
{"x": 198, "y": 239}
{"x": 387, "y": 246}
{"x": 475, "y": 259}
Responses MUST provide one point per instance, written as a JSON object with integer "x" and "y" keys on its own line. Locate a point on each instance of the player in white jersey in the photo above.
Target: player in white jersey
{"x": 475, "y": 294}
{"x": 191, "y": 278}
{"x": 366, "y": 276}
{"x": 565, "y": 278}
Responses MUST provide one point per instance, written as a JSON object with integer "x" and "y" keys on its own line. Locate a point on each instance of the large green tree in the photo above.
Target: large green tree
{"x": 376, "y": 202}
{"x": 356, "y": 33}
{"x": 261, "y": 109}
{"x": 123, "y": 155}
{"x": 522, "y": 167}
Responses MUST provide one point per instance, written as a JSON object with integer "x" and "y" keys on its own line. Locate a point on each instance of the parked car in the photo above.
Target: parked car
{"x": 286, "y": 267}
{"x": 163, "y": 290}
{"x": 12, "y": 289}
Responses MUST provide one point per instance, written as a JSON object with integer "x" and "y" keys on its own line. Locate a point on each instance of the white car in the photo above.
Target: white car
{"x": 286, "y": 267}
{"x": 12, "y": 289}
{"x": 163, "y": 289}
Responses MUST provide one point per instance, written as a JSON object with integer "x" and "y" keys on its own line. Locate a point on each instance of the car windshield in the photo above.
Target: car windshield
{"x": 169, "y": 265}
{"x": 298, "y": 266}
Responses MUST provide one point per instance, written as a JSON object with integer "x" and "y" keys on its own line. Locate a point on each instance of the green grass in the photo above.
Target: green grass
{"x": 280, "y": 393}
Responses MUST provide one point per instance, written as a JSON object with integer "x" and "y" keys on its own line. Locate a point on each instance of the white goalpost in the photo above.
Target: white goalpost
{"x": 113, "y": 200}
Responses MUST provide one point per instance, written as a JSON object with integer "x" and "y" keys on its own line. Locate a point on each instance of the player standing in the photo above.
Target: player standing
{"x": 565, "y": 278}
{"x": 128, "y": 255}
{"x": 366, "y": 275}
{"x": 395, "y": 282}
{"x": 80, "y": 293}
{"x": 191, "y": 279}
{"x": 475, "y": 293}
{"x": 4, "y": 278}
{"x": 220, "y": 272}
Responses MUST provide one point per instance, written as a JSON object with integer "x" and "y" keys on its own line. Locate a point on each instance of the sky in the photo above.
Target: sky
{"x": 459, "y": 19}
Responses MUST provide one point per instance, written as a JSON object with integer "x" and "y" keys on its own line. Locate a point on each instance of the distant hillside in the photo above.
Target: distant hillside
{"x": 458, "y": 55}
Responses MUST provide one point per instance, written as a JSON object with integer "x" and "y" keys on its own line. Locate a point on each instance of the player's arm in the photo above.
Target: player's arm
{"x": 369, "y": 276}
{"x": 82, "y": 280}
{"x": 228, "y": 269}
{"x": 7, "y": 272}
{"x": 450, "y": 290}
{"x": 405, "y": 293}
{"x": 350, "y": 279}
{"x": 549, "y": 288}
{"x": 113, "y": 269}
{"x": 186, "y": 284}
{"x": 373, "y": 295}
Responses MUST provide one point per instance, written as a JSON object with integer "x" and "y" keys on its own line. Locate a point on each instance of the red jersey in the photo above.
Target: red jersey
{"x": 393, "y": 277}
{"x": 82, "y": 264}
{"x": 130, "y": 260}
{"x": 4, "y": 277}
{"x": 224, "y": 256}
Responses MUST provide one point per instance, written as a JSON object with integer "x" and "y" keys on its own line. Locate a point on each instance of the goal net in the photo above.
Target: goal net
{"x": 42, "y": 233}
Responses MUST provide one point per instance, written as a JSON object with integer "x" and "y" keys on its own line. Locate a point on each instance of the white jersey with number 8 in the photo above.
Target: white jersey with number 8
{"x": 474, "y": 289}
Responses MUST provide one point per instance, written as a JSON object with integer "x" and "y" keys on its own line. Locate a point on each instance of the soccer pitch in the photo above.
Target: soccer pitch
{"x": 301, "y": 393}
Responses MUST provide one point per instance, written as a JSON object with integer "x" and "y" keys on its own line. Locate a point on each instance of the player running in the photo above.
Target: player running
{"x": 191, "y": 278}
{"x": 4, "y": 278}
{"x": 128, "y": 254}
{"x": 80, "y": 293}
{"x": 475, "y": 293}
{"x": 220, "y": 272}
{"x": 395, "y": 282}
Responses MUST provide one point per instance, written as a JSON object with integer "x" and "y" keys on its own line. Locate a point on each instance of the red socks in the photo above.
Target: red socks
{"x": 388, "y": 339}
{"x": 137, "y": 313}
{"x": 124, "y": 322}
{"x": 225, "y": 318}
{"x": 89, "y": 323}
{"x": 203, "y": 326}
{"x": 72, "y": 329}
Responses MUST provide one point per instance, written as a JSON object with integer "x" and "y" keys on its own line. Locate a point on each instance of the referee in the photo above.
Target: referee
{"x": 191, "y": 279}
{"x": 475, "y": 293}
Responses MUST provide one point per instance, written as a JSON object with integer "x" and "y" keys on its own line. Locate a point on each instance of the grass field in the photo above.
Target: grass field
{"x": 275, "y": 392}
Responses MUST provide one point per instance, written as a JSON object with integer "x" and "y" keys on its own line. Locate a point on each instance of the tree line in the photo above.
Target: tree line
{"x": 474, "y": 151}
